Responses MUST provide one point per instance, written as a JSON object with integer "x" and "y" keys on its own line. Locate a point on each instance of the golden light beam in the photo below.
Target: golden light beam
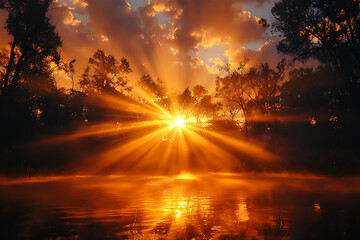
{"x": 129, "y": 152}
{"x": 164, "y": 141}
{"x": 245, "y": 147}
{"x": 102, "y": 130}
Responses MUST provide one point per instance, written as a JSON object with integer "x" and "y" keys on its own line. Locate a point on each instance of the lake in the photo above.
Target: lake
{"x": 208, "y": 206}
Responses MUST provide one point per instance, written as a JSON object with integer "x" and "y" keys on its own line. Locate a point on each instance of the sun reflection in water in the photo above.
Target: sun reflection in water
{"x": 180, "y": 208}
{"x": 186, "y": 176}
{"x": 242, "y": 213}
{"x": 219, "y": 206}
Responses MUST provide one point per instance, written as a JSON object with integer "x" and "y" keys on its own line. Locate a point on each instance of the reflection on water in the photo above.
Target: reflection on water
{"x": 213, "y": 206}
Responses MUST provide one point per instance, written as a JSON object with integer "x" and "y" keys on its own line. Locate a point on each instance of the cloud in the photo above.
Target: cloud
{"x": 81, "y": 3}
{"x": 203, "y": 21}
{"x": 161, "y": 38}
{"x": 267, "y": 53}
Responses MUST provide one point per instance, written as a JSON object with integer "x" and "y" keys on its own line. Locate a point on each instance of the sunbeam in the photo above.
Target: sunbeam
{"x": 162, "y": 137}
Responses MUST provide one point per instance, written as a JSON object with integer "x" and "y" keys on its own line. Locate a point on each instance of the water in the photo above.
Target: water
{"x": 211, "y": 206}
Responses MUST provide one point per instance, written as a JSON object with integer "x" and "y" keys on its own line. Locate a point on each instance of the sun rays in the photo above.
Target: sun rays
{"x": 179, "y": 122}
{"x": 162, "y": 138}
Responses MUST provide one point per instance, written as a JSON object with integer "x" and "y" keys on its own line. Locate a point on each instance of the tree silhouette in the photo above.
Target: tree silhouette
{"x": 206, "y": 108}
{"x": 29, "y": 99}
{"x": 69, "y": 69}
{"x": 264, "y": 91}
{"x": 156, "y": 91}
{"x": 203, "y": 105}
{"x": 253, "y": 93}
{"x": 35, "y": 43}
{"x": 153, "y": 87}
{"x": 199, "y": 91}
{"x": 105, "y": 74}
{"x": 264, "y": 84}
{"x": 326, "y": 30}
{"x": 234, "y": 89}
{"x": 186, "y": 102}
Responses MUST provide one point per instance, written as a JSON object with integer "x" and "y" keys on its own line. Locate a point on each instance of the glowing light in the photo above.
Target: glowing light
{"x": 182, "y": 206}
{"x": 186, "y": 176}
{"x": 179, "y": 122}
{"x": 242, "y": 212}
{"x": 172, "y": 138}
{"x": 312, "y": 121}
{"x": 317, "y": 207}
{"x": 178, "y": 213}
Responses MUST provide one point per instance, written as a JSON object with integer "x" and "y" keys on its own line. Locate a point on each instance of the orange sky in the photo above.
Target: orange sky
{"x": 181, "y": 41}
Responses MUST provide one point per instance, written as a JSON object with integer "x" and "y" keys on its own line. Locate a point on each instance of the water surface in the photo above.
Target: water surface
{"x": 211, "y": 206}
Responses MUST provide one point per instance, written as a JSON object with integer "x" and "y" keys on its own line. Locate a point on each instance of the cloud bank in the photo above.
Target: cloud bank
{"x": 162, "y": 37}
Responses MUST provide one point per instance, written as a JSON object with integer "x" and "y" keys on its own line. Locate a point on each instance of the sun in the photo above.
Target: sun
{"x": 179, "y": 122}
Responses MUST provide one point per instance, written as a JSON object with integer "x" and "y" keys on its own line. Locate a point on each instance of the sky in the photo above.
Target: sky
{"x": 183, "y": 42}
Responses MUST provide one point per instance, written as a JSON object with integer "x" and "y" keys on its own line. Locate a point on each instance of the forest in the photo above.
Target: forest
{"x": 308, "y": 116}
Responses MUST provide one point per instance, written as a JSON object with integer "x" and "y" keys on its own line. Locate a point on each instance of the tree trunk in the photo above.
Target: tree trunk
{"x": 10, "y": 66}
{"x": 246, "y": 125}
{"x": 17, "y": 71}
{"x": 246, "y": 129}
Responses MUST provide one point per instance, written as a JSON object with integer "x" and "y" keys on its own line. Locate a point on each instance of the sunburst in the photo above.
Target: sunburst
{"x": 178, "y": 122}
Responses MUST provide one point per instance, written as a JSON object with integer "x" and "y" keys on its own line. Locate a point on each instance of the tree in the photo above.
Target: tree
{"x": 233, "y": 88}
{"x": 157, "y": 92}
{"x": 202, "y": 104}
{"x": 153, "y": 87}
{"x": 105, "y": 73}
{"x": 69, "y": 69}
{"x": 29, "y": 97}
{"x": 186, "y": 102}
{"x": 35, "y": 43}
{"x": 311, "y": 93}
{"x": 206, "y": 108}
{"x": 254, "y": 92}
{"x": 199, "y": 91}
{"x": 264, "y": 84}
{"x": 325, "y": 30}
{"x": 3, "y": 63}
{"x": 264, "y": 90}
{"x": 328, "y": 31}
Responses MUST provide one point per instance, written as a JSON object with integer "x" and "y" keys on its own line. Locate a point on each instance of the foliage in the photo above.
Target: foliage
{"x": 157, "y": 92}
{"x": 197, "y": 104}
{"x": 69, "y": 69}
{"x": 153, "y": 87}
{"x": 29, "y": 97}
{"x": 35, "y": 43}
{"x": 310, "y": 92}
{"x": 199, "y": 91}
{"x": 105, "y": 74}
{"x": 326, "y": 30}
{"x": 264, "y": 84}
{"x": 254, "y": 92}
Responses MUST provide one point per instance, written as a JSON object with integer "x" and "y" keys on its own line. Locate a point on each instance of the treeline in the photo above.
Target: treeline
{"x": 310, "y": 116}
